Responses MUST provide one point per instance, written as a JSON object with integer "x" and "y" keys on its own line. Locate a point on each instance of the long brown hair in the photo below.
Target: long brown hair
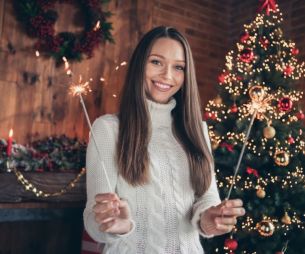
{"x": 134, "y": 119}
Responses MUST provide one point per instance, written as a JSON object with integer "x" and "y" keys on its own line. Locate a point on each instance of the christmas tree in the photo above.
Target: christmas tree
{"x": 259, "y": 83}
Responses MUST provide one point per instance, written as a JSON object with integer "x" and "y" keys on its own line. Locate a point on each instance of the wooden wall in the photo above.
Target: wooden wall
{"x": 44, "y": 108}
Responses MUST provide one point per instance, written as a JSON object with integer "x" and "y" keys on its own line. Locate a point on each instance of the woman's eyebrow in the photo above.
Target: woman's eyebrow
{"x": 157, "y": 55}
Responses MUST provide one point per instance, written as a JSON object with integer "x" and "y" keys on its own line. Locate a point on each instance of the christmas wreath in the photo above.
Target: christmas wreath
{"x": 38, "y": 18}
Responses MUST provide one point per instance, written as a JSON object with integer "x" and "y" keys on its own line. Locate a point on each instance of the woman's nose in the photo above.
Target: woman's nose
{"x": 167, "y": 72}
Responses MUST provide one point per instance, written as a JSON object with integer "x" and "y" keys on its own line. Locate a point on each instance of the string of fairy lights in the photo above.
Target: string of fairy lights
{"x": 293, "y": 178}
{"x": 29, "y": 186}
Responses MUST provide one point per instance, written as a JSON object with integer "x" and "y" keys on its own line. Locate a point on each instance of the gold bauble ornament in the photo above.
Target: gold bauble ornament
{"x": 269, "y": 132}
{"x": 281, "y": 158}
{"x": 218, "y": 100}
{"x": 257, "y": 93}
{"x": 286, "y": 219}
{"x": 265, "y": 228}
{"x": 260, "y": 193}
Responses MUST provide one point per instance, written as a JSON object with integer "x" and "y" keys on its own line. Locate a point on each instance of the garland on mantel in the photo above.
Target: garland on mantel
{"x": 38, "y": 19}
{"x": 52, "y": 154}
{"x": 28, "y": 186}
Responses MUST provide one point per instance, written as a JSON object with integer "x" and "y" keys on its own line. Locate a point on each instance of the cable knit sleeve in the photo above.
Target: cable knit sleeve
{"x": 210, "y": 197}
{"x": 103, "y": 129}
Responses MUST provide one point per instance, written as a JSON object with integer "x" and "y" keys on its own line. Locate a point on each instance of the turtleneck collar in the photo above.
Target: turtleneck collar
{"x": 161, "y": 113}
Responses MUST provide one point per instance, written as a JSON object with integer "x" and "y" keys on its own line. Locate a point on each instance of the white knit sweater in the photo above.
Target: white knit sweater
{"x": 165, "y": 212}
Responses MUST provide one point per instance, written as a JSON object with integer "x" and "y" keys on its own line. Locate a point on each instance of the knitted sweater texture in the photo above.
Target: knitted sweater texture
{"x": 165, "y": 212}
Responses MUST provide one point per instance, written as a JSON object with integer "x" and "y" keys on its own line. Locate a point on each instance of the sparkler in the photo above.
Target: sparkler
{"x": 241, "y": 153}
{"x": 82, "y": 87}
{"x": 257, "y": 107}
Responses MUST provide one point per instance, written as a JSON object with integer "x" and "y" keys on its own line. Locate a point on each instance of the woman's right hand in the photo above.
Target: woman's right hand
{"x": 112, "y": 213}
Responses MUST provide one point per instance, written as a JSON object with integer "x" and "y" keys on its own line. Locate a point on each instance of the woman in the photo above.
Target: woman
{"x": 157, "y": 155}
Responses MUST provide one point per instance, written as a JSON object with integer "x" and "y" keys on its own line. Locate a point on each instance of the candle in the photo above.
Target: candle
{"x": 9, "y": 143}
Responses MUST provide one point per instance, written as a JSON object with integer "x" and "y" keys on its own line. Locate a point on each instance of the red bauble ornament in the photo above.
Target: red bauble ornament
{"x": 285, "y": 104}
{"x": 290, "y": 140}
{"x": 246, "y": 55}
{"x": 288, "y": 70}
{"x": 234, "y": 109}
{"x": 300, "y": 115}
{"x": 244, "y": 37}
{"x": 295, "y": 51}
{"x": 279, "y": 252}
{"x": 209, "y": 115}
{"x": 231, "y": 244}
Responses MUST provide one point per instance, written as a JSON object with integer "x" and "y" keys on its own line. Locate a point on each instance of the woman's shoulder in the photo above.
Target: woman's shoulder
{"x": 107, "y": 120}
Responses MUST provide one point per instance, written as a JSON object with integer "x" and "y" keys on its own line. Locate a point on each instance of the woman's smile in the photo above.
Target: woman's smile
{"x": 162, "y": 86}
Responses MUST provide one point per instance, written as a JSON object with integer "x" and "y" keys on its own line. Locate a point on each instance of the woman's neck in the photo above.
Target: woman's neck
{"x": 160, "y": 114}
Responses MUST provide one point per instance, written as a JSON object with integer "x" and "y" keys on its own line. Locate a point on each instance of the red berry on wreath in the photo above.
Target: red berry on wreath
{"x": 246, "y": 55}
{"x": 285, "y": 104}
{"x": 231, "y": 244}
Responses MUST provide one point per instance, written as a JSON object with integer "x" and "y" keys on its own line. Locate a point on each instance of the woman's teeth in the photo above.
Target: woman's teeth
{"x": 162, "y": 86}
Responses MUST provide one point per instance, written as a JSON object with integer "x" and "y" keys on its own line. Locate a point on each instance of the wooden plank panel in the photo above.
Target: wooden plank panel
{"x": 7, "y": 106}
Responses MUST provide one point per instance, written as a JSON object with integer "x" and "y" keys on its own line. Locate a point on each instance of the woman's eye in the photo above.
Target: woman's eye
{"x": 180, "y": 68}
{"x": 156, "y": 62}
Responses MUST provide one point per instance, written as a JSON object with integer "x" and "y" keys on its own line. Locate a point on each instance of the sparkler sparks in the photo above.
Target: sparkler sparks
{"x": 80, "y": 88}
{"x": 261, "y": 107}
{"x": 97, "y": 26}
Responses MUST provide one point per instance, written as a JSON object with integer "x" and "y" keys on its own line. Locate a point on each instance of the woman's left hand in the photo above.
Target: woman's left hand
{"x": 221, "y": 219}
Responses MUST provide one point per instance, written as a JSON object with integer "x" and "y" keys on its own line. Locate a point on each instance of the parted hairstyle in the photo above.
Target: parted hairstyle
{"x": 135, "y": 122}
